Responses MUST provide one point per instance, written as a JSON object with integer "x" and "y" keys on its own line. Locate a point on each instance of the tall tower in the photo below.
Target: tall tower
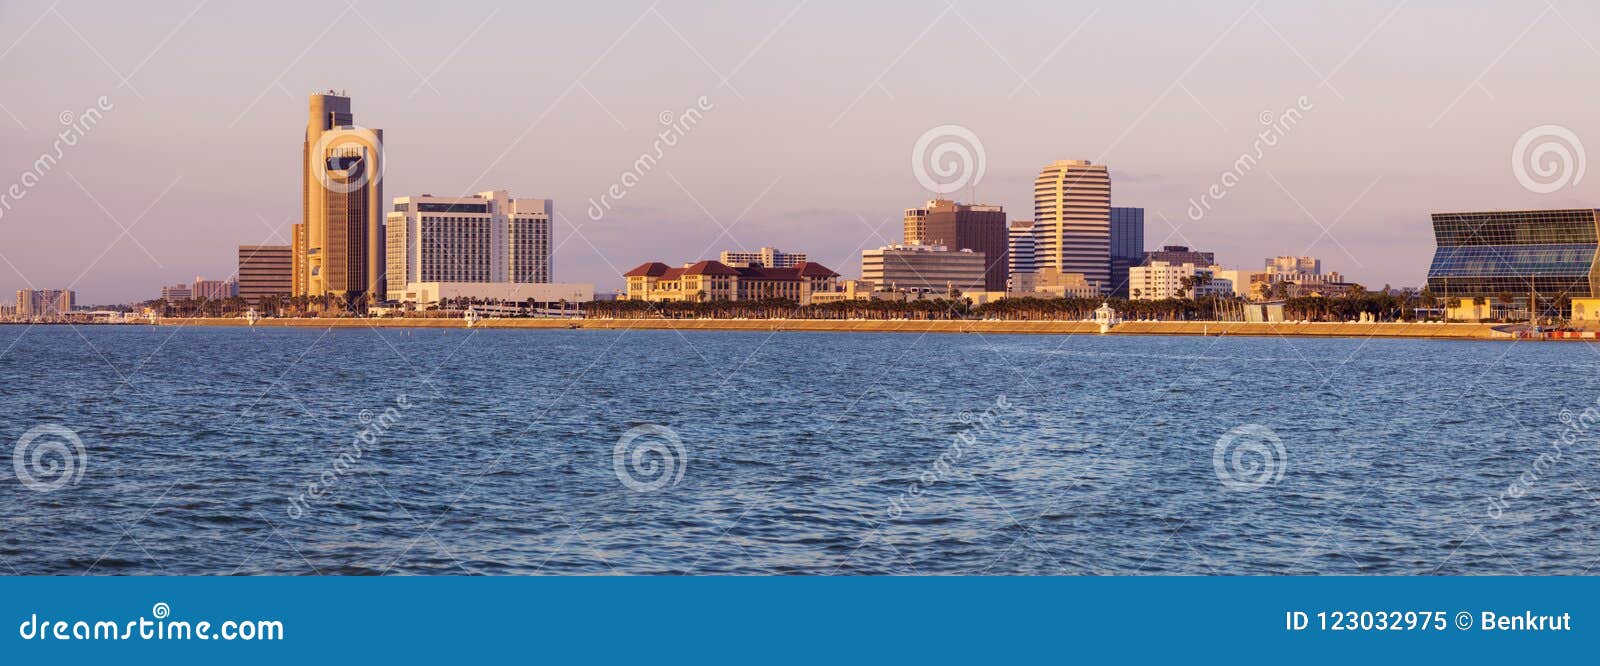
{"x": 338, "y": 248}
{"x": 1072, "y": 220}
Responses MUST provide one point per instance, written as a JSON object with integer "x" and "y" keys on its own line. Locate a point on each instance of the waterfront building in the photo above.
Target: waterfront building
{"x": 213, "y": 290}
{"x": 338, "y": 247}
{"x": 1513, "y": 256}
{"x": 704, "y": 281}
{"x": 770, "y": 257}
{"x": 539, "y": 295}
{"x": 8, "y": 312}
{"x": 1051, "y": 283}
{"x": 264, "y": 270}
{"x": 980, "y": 228}
{"x": 1179, "y": 254}
{"x": 924, "y": 268}
{"x": 1127, "y": 246}
{"x": 173, "y": 293}
{"x": 1072, "y": 219}
{"x": 1021, "y": 247}
{"x": 1160, "y": 280}
{"x": 44, "y": 304}
{"x": 488, "y": 237}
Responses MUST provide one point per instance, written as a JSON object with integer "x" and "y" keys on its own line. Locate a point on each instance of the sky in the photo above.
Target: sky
{"x": 814, "y": 110}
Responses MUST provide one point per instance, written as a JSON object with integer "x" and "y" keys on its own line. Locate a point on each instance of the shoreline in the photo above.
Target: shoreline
{"x": 989, "y": 326}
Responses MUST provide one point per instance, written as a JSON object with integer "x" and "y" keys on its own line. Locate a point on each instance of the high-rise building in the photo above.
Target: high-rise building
{"x": 1072, "y": 219}
{"x": 1022, "y": 247}
{"x": 339, "y": 250}
{"x": 173, "y": 293}
{"x": 925, "y": 268}
{"x": 769, "y": 257}
{"x": 916, "y": 224}
{"x": 977, "y": 227}
{"x": 1127, "y": 246}
{"x": 44, "y": 304}
{"x": 1180, "y": 254}
{"x": 213, "y": 290}
{"x": 264, "y": 270}
{"x": 486, "y": 237}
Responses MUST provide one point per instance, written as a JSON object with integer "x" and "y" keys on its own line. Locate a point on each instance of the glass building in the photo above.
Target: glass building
{"x": 1512, "y": 255}
{"x": 1127, "y": 246}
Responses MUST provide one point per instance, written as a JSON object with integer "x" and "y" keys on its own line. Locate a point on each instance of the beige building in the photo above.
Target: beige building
{"x": 213, "y": 290}
{"x": 338, "y": 248}
{"x": 705, "y": 281}
{"x": 1241, "y": 280}
{"x": 44, "y": 304}
{"x": 487, "y": 237}
{"x": 1072, "y": 219}
{"x": 1161, "y": 280}
{"x": 1051, "y": 283}
{"x": 265, "y": 270}
{"x": 924, "y": 268}
{"x": 770, "y": 257}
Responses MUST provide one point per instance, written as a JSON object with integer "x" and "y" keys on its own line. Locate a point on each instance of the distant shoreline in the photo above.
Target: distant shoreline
{"x": 984, "y": 326}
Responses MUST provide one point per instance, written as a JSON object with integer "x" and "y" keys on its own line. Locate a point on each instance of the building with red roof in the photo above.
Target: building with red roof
{"x": 708, "y": 280}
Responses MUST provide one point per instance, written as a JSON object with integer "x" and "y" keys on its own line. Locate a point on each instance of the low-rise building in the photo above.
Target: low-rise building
{"x": 924, "y": 268}
{"x": 173, "y": 293}
{"x": 539, "y": 295}
{"x": 1052, "y": 283}
{"x": 704, "y": 281}
{"x": 213, "y": 290}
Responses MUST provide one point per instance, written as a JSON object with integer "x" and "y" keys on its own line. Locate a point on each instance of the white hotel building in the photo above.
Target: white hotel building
{"x": 1159, "y": 280}
{"x": 488, "y": 237}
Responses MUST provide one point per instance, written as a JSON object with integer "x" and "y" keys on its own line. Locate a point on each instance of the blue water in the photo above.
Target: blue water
{"x": 794, "y": 453}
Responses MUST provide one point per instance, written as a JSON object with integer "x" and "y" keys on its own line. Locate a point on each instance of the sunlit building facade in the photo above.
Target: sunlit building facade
{"x": 1547, "y": 255}
{"x": 1072, "y": 219}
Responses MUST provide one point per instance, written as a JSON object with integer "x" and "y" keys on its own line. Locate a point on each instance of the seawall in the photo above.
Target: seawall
{"x": 1320, "y": 329}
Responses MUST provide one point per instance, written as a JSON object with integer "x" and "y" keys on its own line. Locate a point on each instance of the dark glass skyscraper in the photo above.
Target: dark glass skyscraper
{"x": 1127, "y": 246}
{"x": 1508, "y": 255}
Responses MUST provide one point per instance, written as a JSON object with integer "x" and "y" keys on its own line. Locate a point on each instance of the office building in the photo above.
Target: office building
{"x": 980, "y": 228}
{"x": 1241, "y": 280}
{"x": 770, "y": 257}
{"x": 338, "y": 247}
{"x": 488, "y": 237}
{"x": 213, "y": 290}
{"x": 1072, "y": 219}
{"x": 173, "y": 293}
{"x": 44, "y": 304}
{"x": 705, "y": 281}
{"x": 924, "y": 268}
{"x": 1179, "y": 254}
{"x": 1050, "y": 283}
{"x": 1021, "y": 246}
{"x": 1291, "y": 264}
{"x": 264, "y": 270}
{"x": 1159, "y": 280}
{"x": 916, "y": 225}
{"x": 1127, "y": 246}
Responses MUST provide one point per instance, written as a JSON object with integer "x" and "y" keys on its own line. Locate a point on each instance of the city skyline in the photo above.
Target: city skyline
{"x": 833, "y": 180}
